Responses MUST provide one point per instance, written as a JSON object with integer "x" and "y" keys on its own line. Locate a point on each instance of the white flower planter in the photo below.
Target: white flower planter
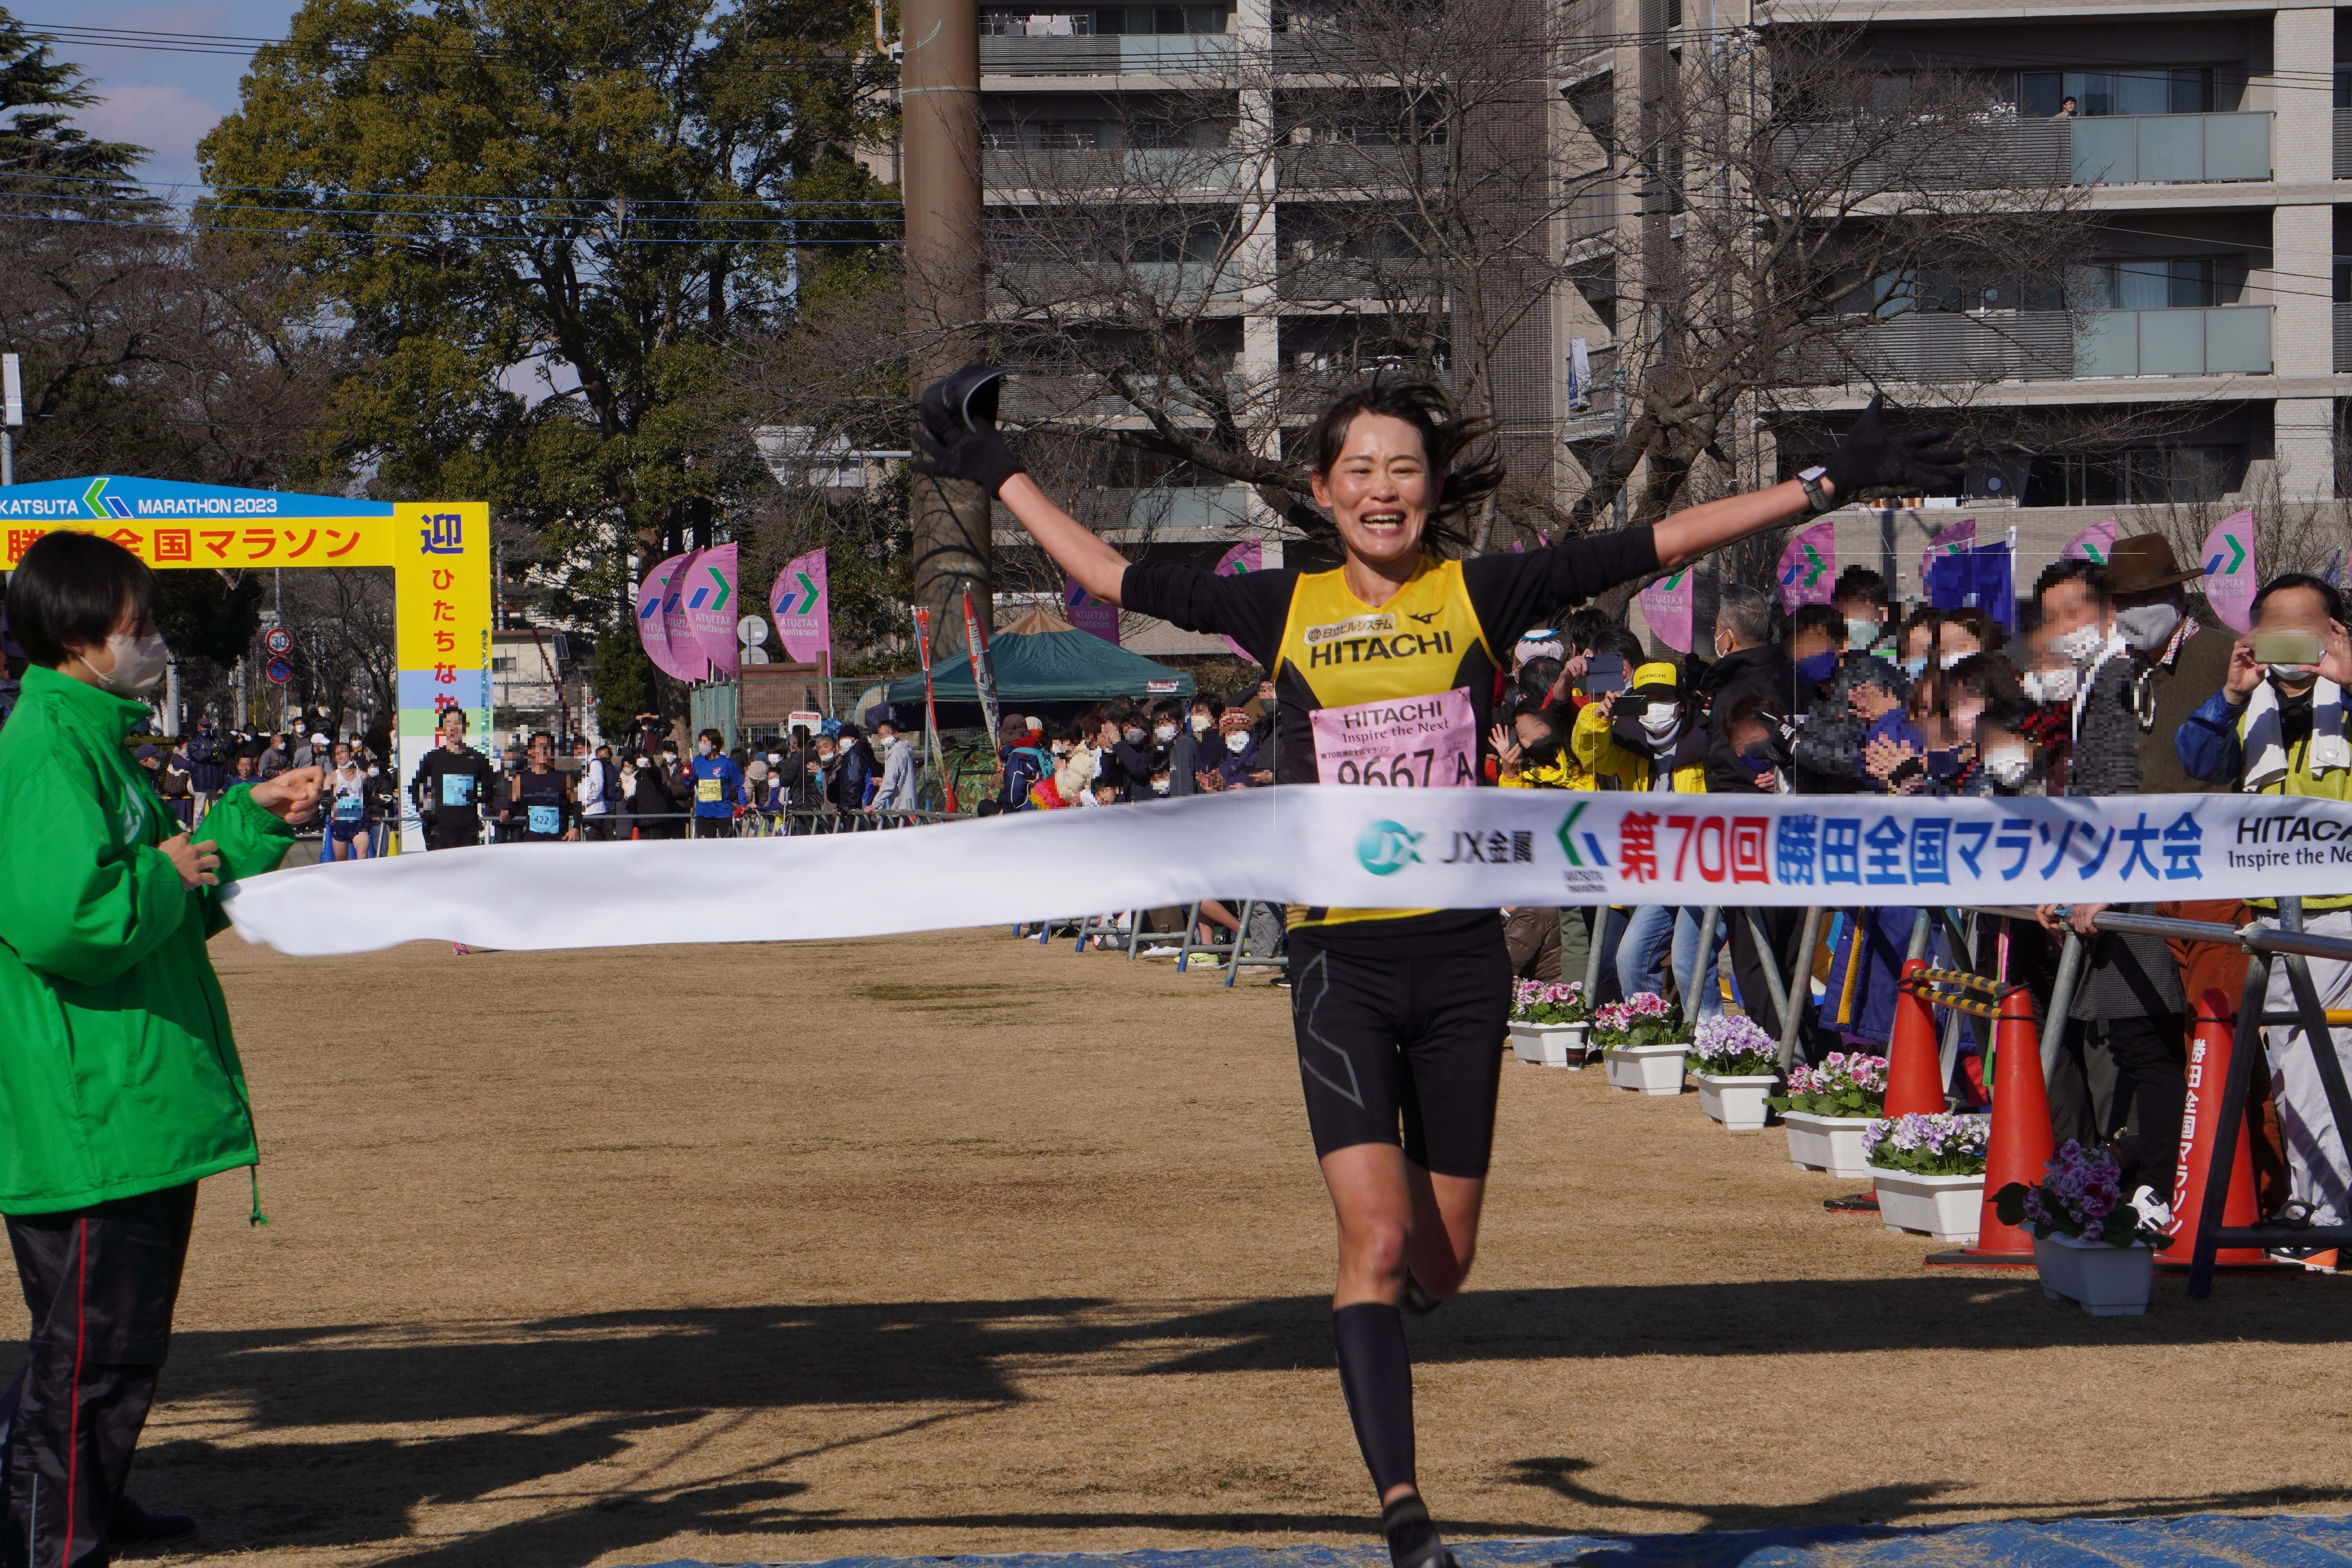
{"x": 2108, "y": 1281}
{"x": 1550, "y": 1044}
{"x": 1831, "y": 1143}
{"x": 1648, "y": 1070}
{"x": 1944, "y": 1207}
{"x": 1737, "y": 1101}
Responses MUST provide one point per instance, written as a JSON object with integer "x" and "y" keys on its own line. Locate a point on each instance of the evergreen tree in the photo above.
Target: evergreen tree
{"x": 44, "y": 159}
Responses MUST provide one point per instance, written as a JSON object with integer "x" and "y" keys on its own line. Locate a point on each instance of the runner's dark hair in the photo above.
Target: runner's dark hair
{"x": 1460, "y": 448}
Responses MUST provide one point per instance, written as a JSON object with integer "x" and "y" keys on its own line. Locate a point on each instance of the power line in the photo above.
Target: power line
{"x": 330, "y": 194}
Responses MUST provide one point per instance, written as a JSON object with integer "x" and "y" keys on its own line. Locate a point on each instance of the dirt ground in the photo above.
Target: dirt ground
{"x": 930, "y": 1245}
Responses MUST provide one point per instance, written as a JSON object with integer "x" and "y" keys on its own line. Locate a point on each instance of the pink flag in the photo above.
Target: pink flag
{"x": 1809, "y": 566}
{"x": 652, "y": 622}
{"x": 1951, "y": 542}
{"x": 1240, "y": 561}
{"x": 2229, "y": 583}
{"x": 1088, "y": 613}
{"x": 2095, "y": 542}
{"x": 1666, "y": 605}
{"x": 801, "y": 607}
{"x": 712, "y": 610}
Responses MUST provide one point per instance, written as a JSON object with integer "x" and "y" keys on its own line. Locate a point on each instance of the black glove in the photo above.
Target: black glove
{"x": 978, "y": 454}
{"x": 1871, "y": 460}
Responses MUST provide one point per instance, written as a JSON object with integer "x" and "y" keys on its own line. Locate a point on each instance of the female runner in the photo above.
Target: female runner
{"x": 1398, "y": 1014}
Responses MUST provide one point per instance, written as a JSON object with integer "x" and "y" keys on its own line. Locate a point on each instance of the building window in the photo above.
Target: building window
{"x": 2142, "y": 476}
{"x": 2181, "y": 282}
{"x": 2182, "y": 90}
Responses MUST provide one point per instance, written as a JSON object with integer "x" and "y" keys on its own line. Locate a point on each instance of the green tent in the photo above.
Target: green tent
{"x": 1041, "y": 658}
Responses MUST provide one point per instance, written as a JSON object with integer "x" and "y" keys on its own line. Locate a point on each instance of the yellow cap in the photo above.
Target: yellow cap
{"x": 1658, "y": 673}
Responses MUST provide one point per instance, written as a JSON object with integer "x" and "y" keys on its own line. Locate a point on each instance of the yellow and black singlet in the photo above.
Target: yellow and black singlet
{"x": 1428, "y": 657}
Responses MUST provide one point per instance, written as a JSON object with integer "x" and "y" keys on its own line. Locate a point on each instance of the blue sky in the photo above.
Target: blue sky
{"x": 160, "y": 101}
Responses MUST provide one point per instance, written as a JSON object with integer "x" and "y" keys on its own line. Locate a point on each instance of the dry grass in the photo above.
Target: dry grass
{"x": 952, "y": 1244}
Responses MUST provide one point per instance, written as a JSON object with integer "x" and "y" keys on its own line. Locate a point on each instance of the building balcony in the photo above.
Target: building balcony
{"x": 2171, "y": 149}
{"x": 2343, "y": 170}
{"x": 1156, "y": 172}
{"x": 2050, "y": 345}
{"x": 1341, "y": 166}
{"x": 1169, "y": 54}
{"x": 2343, "y": 362}
{"x": 2220, "y": 340}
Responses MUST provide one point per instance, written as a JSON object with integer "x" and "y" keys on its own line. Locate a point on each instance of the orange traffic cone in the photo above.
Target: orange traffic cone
{"x": 2021, "y": 1143}
{"x": 2210, "y": 1055}
{"x": 1915, "y": 1066}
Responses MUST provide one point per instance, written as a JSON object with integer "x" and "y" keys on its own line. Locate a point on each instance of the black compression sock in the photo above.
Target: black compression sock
{"x": 1376, "y": 1374}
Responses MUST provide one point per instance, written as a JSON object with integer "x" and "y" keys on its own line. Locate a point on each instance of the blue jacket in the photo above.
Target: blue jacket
{"x": 719, "y": 769}
{"x": 2208, "y": 744}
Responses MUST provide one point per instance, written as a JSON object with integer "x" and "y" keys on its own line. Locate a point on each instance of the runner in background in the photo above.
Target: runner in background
{"x": 452, "y": 786}
{"x": 1384, "y": 673}
{"x": 347, "y": 811}
{"x": 537, "y": 807}
{"x": 718, "y": 787}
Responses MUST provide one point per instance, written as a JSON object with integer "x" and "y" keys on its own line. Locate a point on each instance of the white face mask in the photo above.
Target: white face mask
{"x": 1238, "y": 741}
{"x": 1159, "y": 787}
{"x": 1163, "y": 733}
{"x": 1134, "y": 736}
{"x": 139, "y": 663}
{"x": 702, "y": 748}
{"x": 2050, "y": 685}
{"x": 2080, "y": 644}
{"x": 1661, "y": 720}
{"x": 1946, "y": 661}
{"x": 2009, "y": 765}
{"x": 1860, "y": 634}
{"x": 774, "y": 757}
{"x": 1201, "y": 723}
{"x": 2148, "y": 628}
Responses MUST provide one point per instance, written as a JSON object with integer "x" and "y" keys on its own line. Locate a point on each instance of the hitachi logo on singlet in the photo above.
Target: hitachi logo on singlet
{"x": 1363, "y": 650}
{"x": 1354, "y": 627}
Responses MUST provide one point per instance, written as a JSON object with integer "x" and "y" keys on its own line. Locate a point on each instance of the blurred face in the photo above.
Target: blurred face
{"x": 1532, "y": 729}
{"x": 1379, "y": 492}
{"x": 1747, "y": 732}
{"x": 542, "y": 753}
{"x": 1966, "y": 707}
{"x": 2294, "y": 610}
{"x": 1810, "y": 643}
{"x": 1956, "y": 641}
{"x": 1914, "y": 642}
{"x": 342, "y": 755}
{"x": 2069, "y": 606}
{"x": 453, "y": 727}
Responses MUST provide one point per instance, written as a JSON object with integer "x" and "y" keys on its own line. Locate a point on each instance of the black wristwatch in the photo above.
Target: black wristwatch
{"x": 1812, "y": 479}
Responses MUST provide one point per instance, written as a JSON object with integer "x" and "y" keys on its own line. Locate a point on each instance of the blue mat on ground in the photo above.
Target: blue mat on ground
{"x": 2200, "y": 1541}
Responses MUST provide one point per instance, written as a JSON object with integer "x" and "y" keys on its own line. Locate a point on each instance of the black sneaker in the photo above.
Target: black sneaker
{"x": 134, "y": 1526}
{"x": 1413, "y": 1541}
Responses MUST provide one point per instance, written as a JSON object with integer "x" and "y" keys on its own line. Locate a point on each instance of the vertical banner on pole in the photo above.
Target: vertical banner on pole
{"x": 1961, "y": 536}
{"x": 1809, "y": 567}
{"x": 441, "y": 583}
{"x": 801, "y": 606}
{"x": 1666, "y": 605}
{"x": 653, "y": 595}
{"x": 1088, "y": 614}
{"x": 2229, "y": 580}
{"x": 930, "y": 707}
{"x": 2095, "y": 542}
{"x": 983, "y": 669}
{"x": 710, "y": 610}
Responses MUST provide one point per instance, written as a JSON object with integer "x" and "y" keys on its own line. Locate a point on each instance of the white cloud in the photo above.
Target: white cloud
{"x": 167, "y": 119}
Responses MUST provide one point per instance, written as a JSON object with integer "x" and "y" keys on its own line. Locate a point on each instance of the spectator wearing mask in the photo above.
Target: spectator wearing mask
{"x": 1024, "y": 763}
{"x": 1861, "y": 691}
{"x": 1748, "y": 663}
{"x": 1239, "y": 767}
{"x": 2280, "y": 730}
{"x": 1750, "y": 756}
{"x": 657, "y": 794}
{"x": 600, "y": 794}
{"x": 2129, "y": 993}
{"x": 823, "y": 766}
{"x": 896, "y": 791}
{"x": 854, "y": 773}
{"x": 1175, "y": 749}
{"x": 1644, "y": 739}
{"x": 718, "y": 797}
{"x": 207, "y": 765}
{"x": 1859, "y": 597}
{"x": 275, "y": 759}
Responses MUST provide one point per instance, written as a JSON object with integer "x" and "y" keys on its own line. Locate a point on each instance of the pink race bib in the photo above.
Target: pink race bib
{"x": 1412, "y": 742}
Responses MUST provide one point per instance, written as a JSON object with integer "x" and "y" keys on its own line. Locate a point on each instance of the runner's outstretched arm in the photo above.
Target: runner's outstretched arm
{"x": 1077, "y": 549}
{"x": 1868, "y": 458}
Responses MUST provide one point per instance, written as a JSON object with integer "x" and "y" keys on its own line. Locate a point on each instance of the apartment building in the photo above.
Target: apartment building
{"x": 2206, "y": 144}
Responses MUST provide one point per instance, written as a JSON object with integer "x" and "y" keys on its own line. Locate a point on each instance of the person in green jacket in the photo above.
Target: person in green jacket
{"x": 120, "y": 1087}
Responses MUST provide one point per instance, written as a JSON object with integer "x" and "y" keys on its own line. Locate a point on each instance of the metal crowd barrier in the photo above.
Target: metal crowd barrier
{"x": 1231, "y": 950}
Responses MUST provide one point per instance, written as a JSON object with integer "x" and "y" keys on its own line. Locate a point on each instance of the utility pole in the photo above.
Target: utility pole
{"x": 946, "y": 298}
{"x": 12, "y": 394}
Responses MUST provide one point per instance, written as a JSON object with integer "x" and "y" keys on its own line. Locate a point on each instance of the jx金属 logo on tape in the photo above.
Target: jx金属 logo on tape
{"x": 1386, "y": 847}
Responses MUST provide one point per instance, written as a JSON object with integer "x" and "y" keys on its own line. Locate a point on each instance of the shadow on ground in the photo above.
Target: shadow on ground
{"x": 563, "y": 1393}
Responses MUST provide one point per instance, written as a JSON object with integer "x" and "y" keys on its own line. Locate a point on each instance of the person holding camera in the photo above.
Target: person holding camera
{"x": 2277, "y": 727}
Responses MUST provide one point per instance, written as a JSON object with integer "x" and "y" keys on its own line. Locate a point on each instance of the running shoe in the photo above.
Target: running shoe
{"x": 1413, "y": 1540}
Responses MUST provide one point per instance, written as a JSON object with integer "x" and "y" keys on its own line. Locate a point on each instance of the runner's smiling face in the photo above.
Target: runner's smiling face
{"x": 1379, "y": 492}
